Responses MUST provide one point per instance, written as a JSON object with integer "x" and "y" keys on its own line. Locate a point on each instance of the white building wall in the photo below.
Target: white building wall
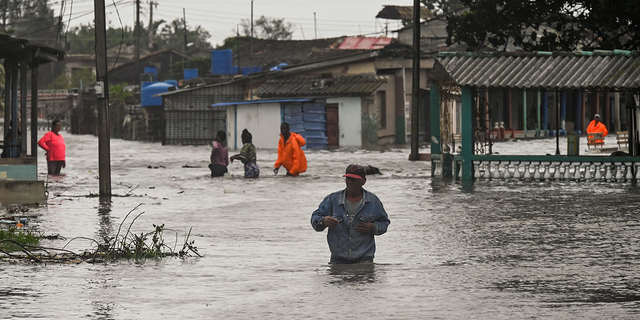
{"x": 261, "y": 119}
{"x": 349, "y": 120}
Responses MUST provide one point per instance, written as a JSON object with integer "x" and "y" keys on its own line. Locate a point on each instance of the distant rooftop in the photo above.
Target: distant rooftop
{"x": 616, "y": 70}
{"x": 403, "y": 13}
{"x": 345, "y": 85}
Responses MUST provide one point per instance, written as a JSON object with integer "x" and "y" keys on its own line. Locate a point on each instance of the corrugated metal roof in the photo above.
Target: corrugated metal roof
{"x": 366, "y": 43}
{"x": 605, "y": 70}
{"x": 340, "y": 86}
{"x": 20, "y": 49}
{"x": 222, "y": 104}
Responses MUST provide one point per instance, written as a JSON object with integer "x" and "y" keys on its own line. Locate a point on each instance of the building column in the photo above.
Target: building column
{"x": 467, "y": 116}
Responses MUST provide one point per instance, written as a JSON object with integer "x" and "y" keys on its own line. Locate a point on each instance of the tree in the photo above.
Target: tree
{"x": 233, "y": 42}
{"x": 34, "y": 21}
{"x": 547, "y": 25}
{"x": 171, "y": 36}
{"x": 442, "y": 7}
{"x": 118, "y": 93}
{"x": 202, "y": 64}
{"x": 78, "y": 76}
{"x": 270, "y": 29}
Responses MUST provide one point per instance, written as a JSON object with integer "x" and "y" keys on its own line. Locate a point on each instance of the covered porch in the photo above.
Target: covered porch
{"x": 469, "y": 77}
{"x": 18, "y": 162}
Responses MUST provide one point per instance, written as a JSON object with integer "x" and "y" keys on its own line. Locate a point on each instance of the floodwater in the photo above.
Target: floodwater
{"x": 501, "y": 250}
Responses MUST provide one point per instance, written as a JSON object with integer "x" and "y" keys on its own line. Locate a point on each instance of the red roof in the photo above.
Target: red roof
{"x": 367, "y": 43}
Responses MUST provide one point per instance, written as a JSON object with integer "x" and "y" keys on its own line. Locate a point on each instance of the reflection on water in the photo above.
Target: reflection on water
{"x": 105, "y": 223}
{"x": 356, "y": 273}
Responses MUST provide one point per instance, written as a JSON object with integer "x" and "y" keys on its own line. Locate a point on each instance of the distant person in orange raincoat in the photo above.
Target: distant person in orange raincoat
{"x": 290, "y": 155}
{"x": 597, "y": 126}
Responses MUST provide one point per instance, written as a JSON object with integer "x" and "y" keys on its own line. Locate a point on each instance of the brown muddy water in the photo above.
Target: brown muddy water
{"x": 501, "y": 250}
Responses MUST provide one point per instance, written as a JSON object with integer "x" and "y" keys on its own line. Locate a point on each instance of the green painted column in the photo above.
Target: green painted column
{"x": 467, "y": 133}
{"x": 538, "y": 127}
{"x": 524, "y": 112}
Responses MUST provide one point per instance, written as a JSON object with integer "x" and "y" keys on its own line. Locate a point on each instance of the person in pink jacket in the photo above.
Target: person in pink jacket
{"x": 53, "y": 143}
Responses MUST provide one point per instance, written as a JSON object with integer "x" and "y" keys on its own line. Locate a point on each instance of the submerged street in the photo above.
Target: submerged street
{"x": 503, "y": 250}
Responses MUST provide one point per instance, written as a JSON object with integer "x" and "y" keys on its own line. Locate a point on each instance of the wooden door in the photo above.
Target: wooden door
{"x": 333, "y": 131}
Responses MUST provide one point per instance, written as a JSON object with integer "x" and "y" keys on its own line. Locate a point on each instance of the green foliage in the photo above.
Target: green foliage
{"x": 35, "y": 21}
{"x": 232, "y": 43}
{"x": 442, "y": 7}
{"x": 166, "y": 36}
{"x": 117, "y": 92}
{"x": 202, "y": 64}
{"x": 14, "y": 239}
{"x": 548, "y": 25}
{"x": 150, "y": 245}
{"x": 271, "y": 29}
{"x": 78, "y": 76}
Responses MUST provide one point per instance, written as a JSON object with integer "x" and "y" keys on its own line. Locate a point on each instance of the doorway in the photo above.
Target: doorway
{"x": 333, "y": 130}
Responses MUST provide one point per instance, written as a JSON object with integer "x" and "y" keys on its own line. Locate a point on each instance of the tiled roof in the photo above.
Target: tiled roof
{"x": 338, "y": 86}
{"x": 370, "y": 43}
{"x": 611, "y": 70}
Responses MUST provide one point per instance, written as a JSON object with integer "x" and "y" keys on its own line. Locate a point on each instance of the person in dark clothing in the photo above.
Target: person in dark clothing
{"x": 219, "y": 156}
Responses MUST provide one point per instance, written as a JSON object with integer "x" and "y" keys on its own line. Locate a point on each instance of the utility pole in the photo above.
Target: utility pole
{"x": 151, "y": 3}
{"x": 184, "y": 20}
{"x": 415, "y": 88}
{"x": 251, "y": 57}
{"x": 315, "y": 26}
{"x": 102, "y": 91}
{"x": 238, "y": 47}
{"x": 136, "y": 43}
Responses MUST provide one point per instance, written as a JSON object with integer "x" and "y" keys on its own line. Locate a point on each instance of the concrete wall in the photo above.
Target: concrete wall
{"x": 261, "y": 119}
{"x": 22, "y": 192}
{"x": 349, "y": 118}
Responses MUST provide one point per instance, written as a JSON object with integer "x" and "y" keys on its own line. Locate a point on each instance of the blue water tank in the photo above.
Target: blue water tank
{"x": 221, "y": 61}
{"x": 190, "y": 74}
{"x": 146, "y": 99}
{"x": 153, "y": 70}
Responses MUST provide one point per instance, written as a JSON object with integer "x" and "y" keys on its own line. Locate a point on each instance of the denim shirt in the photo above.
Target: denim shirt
{"x": 345, "y": 243}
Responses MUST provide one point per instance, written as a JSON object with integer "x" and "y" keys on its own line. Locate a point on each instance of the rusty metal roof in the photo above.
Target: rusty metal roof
{"x": 611, "y": 70}
{"x": 369, "y": 43}
{"x": 338, "y": 86}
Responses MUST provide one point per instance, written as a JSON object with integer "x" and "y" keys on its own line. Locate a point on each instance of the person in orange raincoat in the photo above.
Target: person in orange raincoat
{"x": 597, "y": 126}
{"x": 290, "y": 155}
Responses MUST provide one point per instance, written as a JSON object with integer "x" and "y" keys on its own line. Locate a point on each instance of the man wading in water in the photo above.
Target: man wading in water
{"x": 353, "y": 216}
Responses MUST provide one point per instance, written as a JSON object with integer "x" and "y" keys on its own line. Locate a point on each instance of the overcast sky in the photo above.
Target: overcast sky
{"x": 220, "y": 17}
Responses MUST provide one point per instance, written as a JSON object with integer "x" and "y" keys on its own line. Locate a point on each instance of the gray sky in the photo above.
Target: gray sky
{"x": 220, "y": 17}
